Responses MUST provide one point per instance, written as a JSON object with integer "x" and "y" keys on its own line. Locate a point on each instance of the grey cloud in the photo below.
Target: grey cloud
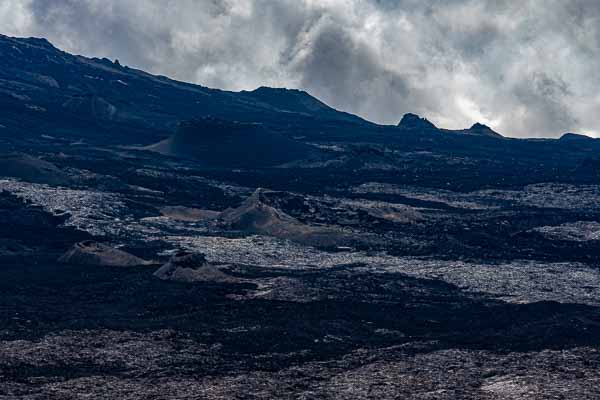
{"x": 527, "y": 68}
{"x": 341, "y": 71}
{"x": 542, "y": 97}
{"x": 85, "y": 26}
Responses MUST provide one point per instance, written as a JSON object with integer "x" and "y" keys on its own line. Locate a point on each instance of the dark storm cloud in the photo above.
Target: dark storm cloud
{"x": 527, "y": 68}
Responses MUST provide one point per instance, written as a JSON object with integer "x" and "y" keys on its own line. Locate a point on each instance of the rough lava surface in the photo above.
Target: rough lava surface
{"x": 146, "y": 252}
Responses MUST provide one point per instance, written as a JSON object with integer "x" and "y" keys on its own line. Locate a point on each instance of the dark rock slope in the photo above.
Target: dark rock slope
{"x": 44, "y": 90}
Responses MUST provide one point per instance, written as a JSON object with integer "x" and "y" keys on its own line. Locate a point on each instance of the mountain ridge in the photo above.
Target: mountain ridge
{"x": 99, "y": 94}
{"x": 48, "y": 93}
{"x": 37, "y": 64}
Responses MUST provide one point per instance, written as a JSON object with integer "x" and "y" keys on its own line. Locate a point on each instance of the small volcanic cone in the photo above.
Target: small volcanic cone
{"x": 231, "y": 144}
{"x": 256, "y": 216}
{"x": 191, "y": 267}
{"x": 92, "y": 253}
{"x": 31, "y": 169}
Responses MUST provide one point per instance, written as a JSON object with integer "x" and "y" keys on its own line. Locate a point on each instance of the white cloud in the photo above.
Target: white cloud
{"x": 15, "y": 18}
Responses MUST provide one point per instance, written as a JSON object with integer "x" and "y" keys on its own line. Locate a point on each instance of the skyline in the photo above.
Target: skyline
{"x": 523, "y": 69}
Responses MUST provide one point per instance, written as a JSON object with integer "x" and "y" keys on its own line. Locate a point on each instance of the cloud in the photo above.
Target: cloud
{"x": 527, "y": 68}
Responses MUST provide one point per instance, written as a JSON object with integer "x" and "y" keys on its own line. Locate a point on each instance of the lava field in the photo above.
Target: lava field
{"x": 354, "y": 261}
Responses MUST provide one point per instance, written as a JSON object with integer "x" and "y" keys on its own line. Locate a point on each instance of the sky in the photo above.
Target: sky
{"x": 527, "y": 68}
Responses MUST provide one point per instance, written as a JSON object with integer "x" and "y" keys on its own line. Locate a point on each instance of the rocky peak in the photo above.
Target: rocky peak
{"x": 569, "y": 136}
{"x": 413, "y": 121}
{"x": 482, "y": 129}
{"x": 479, "y": 127}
